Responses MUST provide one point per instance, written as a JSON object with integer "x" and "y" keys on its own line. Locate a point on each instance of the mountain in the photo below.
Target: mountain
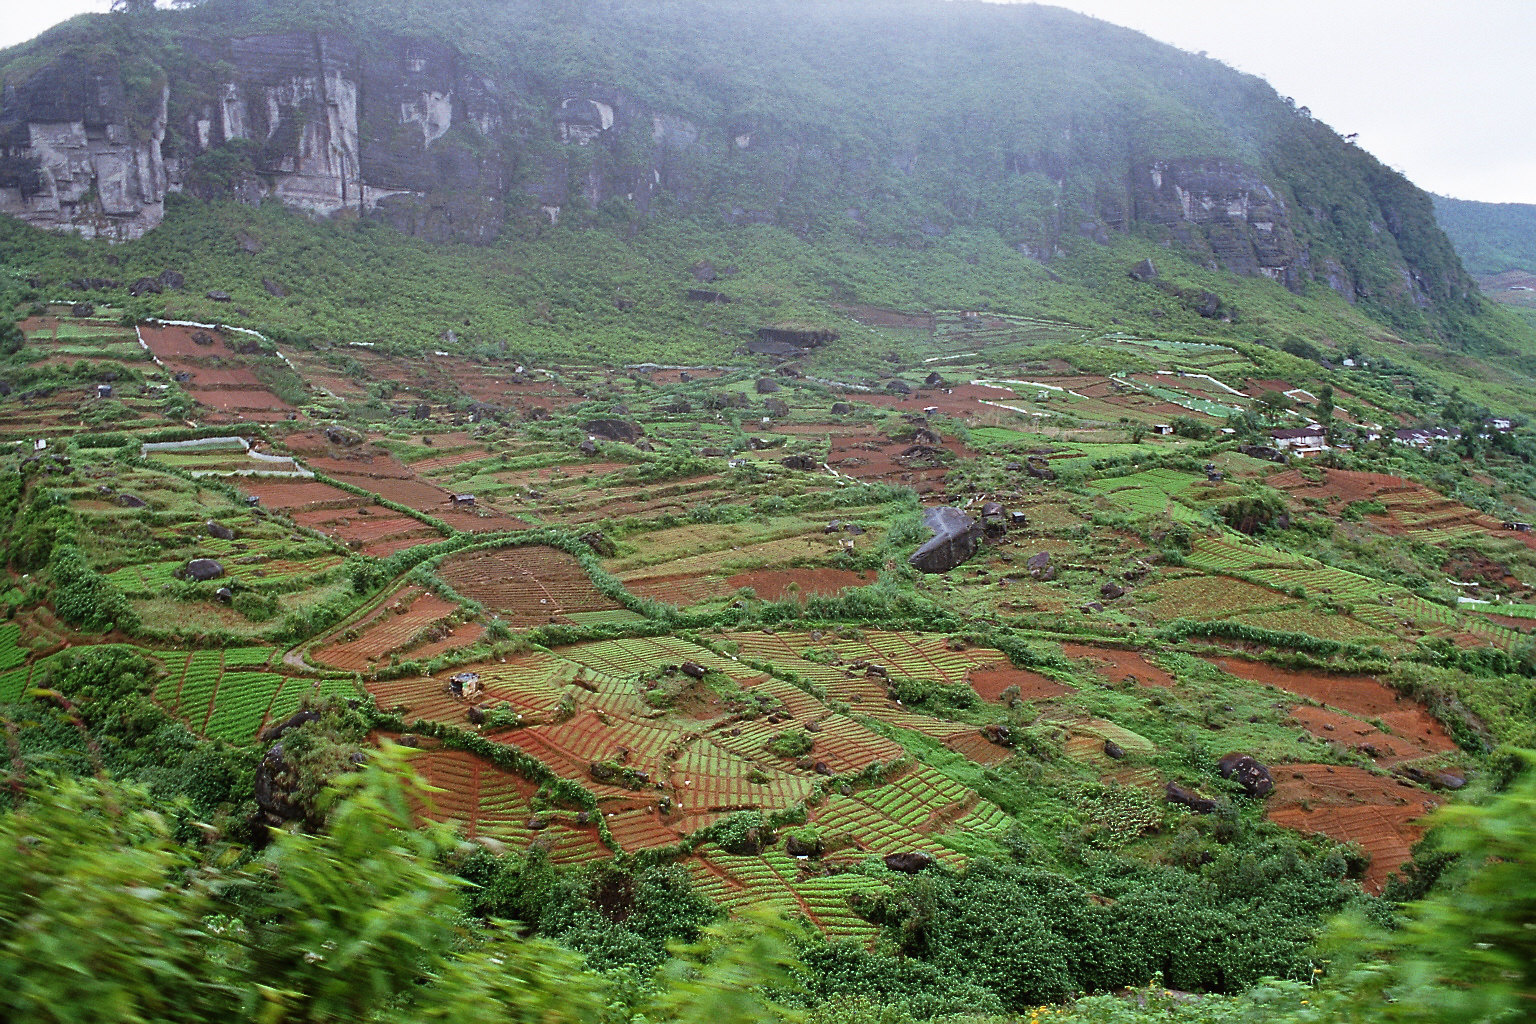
{"x": 1491, "y": 238}
{"x": 876, "y": 124}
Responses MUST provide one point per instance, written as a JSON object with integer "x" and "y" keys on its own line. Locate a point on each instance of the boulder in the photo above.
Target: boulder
{"x": 898, "y": 387}
{"x": 219, "y": 530}
{"x": 1111, "y": 590}
{"x": 693, "y": 670}
{"x": 909, "y": 863}
{"x": 145, "y": 286}
{"x": 797, "y": 847}
{"x": 130, "y": 501}
{"x": 806, "y": 463}
{"x": 224, "y": 594}
{"x": 841, "y": 408}
{"x": 611, "y": 429}
{"x": 587, "y": 447}
{"x": 1113, "y": 750}
{"x": 1243, "y": 769}
{"x": 1145, "y": 271}
{"x": 766, "y": 386}
{"x": 599, "y": 543}
{"x": 1177, "y": 794}
{"x": 476, "y": 716}
{"x": 776, "y": 407}
{"x": 171, "y": 280}
{"x": 274, "y": 289}
{"x": 955, "y": 536}
{"x": 203, "y": 569}
{"x": 220, "y": 296}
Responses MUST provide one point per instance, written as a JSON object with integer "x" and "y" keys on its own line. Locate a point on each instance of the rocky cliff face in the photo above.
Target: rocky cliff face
{"x": 73, "y": 155}
{"x": 413, "y": 132}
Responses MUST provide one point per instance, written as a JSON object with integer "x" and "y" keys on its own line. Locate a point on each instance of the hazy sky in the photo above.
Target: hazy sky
{"x": 1439, "y": 89}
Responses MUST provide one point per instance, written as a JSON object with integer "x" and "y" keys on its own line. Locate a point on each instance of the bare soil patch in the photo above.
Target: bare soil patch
{"x": 1353, "y": 805}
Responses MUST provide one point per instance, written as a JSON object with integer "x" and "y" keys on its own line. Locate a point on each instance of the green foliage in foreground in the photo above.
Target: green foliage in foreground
{"x": 106, "y": 917}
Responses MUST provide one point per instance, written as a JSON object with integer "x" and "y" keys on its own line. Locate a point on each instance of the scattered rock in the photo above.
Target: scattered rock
{"x": 909, "y": 863}
{"x": 130, "y": 501}
{"x": 219, "y": 530}
{"x": 202, "y": 569}
{"x": 1243, "y": 769}
{"x": 1114, "y": 750}
{"x": 1177, "y": 794}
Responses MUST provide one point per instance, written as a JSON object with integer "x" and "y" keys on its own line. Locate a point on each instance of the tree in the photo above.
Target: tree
{"x": 1272, "y": 405}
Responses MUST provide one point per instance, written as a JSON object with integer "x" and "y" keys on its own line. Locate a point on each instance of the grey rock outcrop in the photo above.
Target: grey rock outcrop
{"x": 955, "y": 536}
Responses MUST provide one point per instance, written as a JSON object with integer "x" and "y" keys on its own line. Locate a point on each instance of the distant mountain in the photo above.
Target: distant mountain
{"x": 1492, "y": 238}
{"x": 890, "y": 123}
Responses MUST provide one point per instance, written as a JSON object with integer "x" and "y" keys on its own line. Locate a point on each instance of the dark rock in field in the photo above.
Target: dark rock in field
{"x": 220, "y": 296}
{"x": 171, "y": 280}
{"x": 822, "y": 768}
{"x": 202, "y": 338}
{"x": 1038, "y": 564}
{"x": 82, "y": 309}
{"x": 611, "y": 429}
{"x": 274, "y": 289}
{"x": 678, "y": 407}
{"x": 476, "y": 716}
{"x": 925, "y": 436}
{"x": 182, "y": 377}
{"x": 713, "y": 453}
{"x": 643, "y": 445}
{"x": 1177, "y": 794}
{"x": 130, "y": 501}
{"x": 275, "y": 731}
{"x": 1113, "y": 750}
{"x": 909, "y": 863}
{"x": 759, "y": 444}
{"x": 797, "y": 847}
{"x": 201, "y": 570}
{"x": 776, "y": 407}
{"x": 897, "y": 387}
{"x": 1091, "y": 608}
{"x": 801, "y": 462}
{"x": 813, "y": 727}
{"x": 933, "y": 380}
{"x": 1040, "y": 469}
{"x": 693, "y": 670}
{"x": 1144, "y": 271}
{"x": 145, "y": 286}
{"x": 1111, "y": 590}
{"x": 766, "y": 386}
{"x": 998, "y": 733}
{"x": 708, "y": 295}
{"x": 248, "y": 347}
{"x": 1259, "y": 451}
{"x": 599, "y": 542}
{"x": 1448, "y": 780}
{"x": 219, "y": 530}
{"x": 955, "y": 536}
{"x": 1247, "y": 772}
{"x": 537, "y": 824}
{"x": 587, "y": 447}
{"x": 684, "y": 377}
{"x": 537, "y": 414}
{"x": 877, "y": 672}
{"x": 841, "y": 408}
{"x": 225, "y": 595}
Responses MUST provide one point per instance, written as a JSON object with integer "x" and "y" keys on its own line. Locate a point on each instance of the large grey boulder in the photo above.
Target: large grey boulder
{"x": 955, "y": 536}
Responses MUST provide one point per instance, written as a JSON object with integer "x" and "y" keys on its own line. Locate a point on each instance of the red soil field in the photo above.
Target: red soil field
{"x": 1352, "y": 805}
{"x": 773, "y": 584}
{"x": 989, "y": 682}
{"x": 1352, "y": 733}
{"x": 175, "y": 343}
{"x": 391, "y": 628}
{"x": 210, "y": 377}
{"x": 1408, "y": 720}
{"x": 1119, "y": 665}
{"x": 978, "y": 748}
{"x": 292, "y": 494}
{"x": 528, "y": 585}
